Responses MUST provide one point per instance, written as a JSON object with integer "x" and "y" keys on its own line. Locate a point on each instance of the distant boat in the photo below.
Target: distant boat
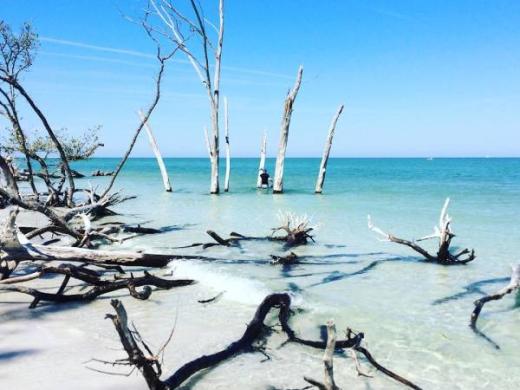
{"x": 429, "y": 158}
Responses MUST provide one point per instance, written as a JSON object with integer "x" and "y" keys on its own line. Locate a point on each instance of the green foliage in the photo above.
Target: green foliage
{"x": 17, "y": 51}
{"x": 75, "y": 147}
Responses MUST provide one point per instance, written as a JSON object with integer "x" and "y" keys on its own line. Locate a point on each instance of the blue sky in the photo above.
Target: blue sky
{"x": 418, "y": 78}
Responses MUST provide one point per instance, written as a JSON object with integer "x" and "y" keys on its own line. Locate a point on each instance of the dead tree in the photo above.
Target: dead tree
{"x": 442, "y": 232}
{"x": 328, "y": 383}
{"x": 180, "y": 29}
{"x": 228, "y": 152}
{"x": 96, "y": 286}
{"x": 157, "y": 152}
{"x": 512, "y": 287}
{"x": 284, "y": 133}
{"x": 297, "y": 232}
{"x": 326, "y": 152}
{"x": 149, "y": 363}
{"x": 261, "y": 165}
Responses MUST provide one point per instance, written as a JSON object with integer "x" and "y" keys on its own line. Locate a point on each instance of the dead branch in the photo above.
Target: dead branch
{"x": 512, "y": 286}
{"x": 149, "y": 366}
{"x": 328, "y": 383}
{"x": 442, "y": 232}
{"x": 100, "y": 286}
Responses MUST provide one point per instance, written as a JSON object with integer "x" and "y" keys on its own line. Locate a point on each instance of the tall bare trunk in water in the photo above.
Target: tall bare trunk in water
{"x": 284, "y": 133}
{"x": 326, "y": 152}
{"x": 228, "y": 152}
{"x": 176, "y": 21}
{"x": 261, "y": 166}
{"x": 157, "y": 152}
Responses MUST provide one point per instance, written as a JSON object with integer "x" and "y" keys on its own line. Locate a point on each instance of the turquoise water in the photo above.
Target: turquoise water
{"x": 377, "y": 287}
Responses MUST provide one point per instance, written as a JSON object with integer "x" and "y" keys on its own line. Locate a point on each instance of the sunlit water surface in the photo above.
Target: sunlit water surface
{"x": 402, "y": 304}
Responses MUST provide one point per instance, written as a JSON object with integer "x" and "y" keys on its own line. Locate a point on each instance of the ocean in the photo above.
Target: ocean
{"x": 415, "y": 315}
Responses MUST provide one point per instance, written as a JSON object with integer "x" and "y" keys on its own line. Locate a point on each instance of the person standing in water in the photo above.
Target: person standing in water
{"x": 264, "y": 177}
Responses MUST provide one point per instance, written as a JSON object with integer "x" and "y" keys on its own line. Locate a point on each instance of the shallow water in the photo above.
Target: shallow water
{"x": 376, "y": 287}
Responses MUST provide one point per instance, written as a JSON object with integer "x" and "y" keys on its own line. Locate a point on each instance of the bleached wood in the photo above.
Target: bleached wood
{"x": 284, "y": 133}
{"x": 261, "y": 166}
{"x": 228, "y": 152}
{"x": 157, "y": 152}
{"x": 326, "y": 152}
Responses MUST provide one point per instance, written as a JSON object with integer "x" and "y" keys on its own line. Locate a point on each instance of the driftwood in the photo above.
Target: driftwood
{"x": 157, "y": 152}
{"x": 329, "y": 383}
{"x": 284, "y": 133}
{"x": 261, "y": 165}
{"x": 326, "y": 152}
{"x": 149, "y": 363}
{"x": 98, "y": 285}
{"x": 512, "y": 287}
{"x": 98, "y": 172}
{"x": 442, "y": 232}
{"x": 292, "y": 238}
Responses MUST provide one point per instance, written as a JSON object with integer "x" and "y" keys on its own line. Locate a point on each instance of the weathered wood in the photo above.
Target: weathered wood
{"x": 98, "y": 285}
{"x": 228, "y": 151}
{"x": 328, "y": 383}
{"x": 148, "y": 365}
{"x": 33, "y": 252}
{"x": 512, "y": 286}
{"x": 326, "y": 152}
{"x": 261, "y": 165}
{"x": 442, "y": 232}
{"x": 253, "y": 331}
{"x": 157, "y": 153}
{"x": 284, "y": 133}
{"x": 174, "y": 20}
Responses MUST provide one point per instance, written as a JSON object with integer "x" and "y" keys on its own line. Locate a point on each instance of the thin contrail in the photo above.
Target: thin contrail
{"x": 150, "y": 56}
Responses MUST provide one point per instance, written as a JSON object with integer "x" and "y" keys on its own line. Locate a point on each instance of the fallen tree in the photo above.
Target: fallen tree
{"x": 297, "y": 229}
{"x": 442, "y": 232}
{"x": 149, "y": 363}
{"x": 98, "y": 285}
{"x": 512, "y": 287}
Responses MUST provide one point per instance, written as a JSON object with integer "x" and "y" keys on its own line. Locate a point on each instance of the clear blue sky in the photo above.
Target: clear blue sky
{"x": 418, "y": 78}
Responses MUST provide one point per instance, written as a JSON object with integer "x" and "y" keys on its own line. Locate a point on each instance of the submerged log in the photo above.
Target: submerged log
{"x": 442, "y": 232}
{"x": 150, "y": 366}
{"x": 157, "y": 152}
{"x": 326, "y": 152}
{"x": 284, "y": 133}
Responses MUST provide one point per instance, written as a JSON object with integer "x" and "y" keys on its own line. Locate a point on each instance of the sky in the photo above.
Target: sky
{"x": 417, "y": 78}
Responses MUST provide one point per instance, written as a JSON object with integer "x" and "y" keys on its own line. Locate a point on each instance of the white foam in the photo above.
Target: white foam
{"x": 238, "y": 289}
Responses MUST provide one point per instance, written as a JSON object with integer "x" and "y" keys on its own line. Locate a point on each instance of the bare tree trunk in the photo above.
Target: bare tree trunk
{"x": 326, "y": 152}
{"x": 284, "y": 133}
{"x": 261, "y": 166}
{"x": 157, "y": 152}
{"x": 228, "y": 154}
{"x": 173, "y": 19}
{"x": 214, "y": 187}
